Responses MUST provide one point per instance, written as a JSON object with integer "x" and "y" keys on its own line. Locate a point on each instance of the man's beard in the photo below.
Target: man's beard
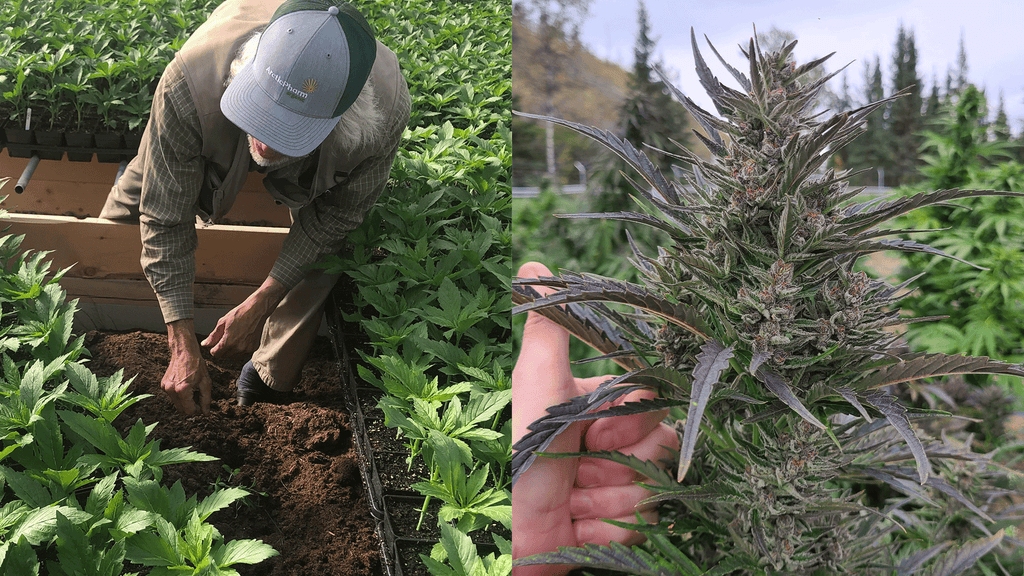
{"x": 281, "y": 160}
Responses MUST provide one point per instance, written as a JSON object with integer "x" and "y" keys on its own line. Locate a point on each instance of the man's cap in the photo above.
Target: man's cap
{"x": 310, "y": 65}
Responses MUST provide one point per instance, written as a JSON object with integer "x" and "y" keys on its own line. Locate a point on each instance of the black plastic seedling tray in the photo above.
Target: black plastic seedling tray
{"x": 384, "y": 462}
{"x": 382, "y": 459}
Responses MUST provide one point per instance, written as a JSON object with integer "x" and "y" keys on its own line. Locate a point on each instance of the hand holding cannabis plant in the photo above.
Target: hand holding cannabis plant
{"x": 560, "y": 502}
{"x": 776, "y": 357}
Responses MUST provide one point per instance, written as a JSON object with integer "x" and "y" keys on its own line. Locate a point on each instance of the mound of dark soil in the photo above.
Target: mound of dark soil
{"x": 299, "y": 459}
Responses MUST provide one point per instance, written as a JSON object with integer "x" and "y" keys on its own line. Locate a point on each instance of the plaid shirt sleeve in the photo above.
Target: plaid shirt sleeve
{"x": 172, "y": 178}
{"x": 319, "y": 228}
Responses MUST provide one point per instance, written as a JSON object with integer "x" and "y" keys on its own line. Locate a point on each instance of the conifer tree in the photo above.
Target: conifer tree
{"x": 1000, "y": 126}
{"x": 932, "y": 105}
{"x": 649, "y": 117}
{"x": 961, "y": 66}
{"x": 905, "y": 113}
{"x": 556, "y": 25}
{"x": 872, "y": 150}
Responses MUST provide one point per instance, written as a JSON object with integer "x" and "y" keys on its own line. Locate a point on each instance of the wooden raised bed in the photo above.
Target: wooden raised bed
{"x": 58, "y": 212}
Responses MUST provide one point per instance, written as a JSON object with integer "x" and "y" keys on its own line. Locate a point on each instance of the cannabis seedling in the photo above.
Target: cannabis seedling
{"x": 774, "y": 354}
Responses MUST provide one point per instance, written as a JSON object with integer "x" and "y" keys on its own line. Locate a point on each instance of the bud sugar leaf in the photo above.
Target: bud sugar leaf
{"x": 712, "y": 360}
{"x": 778, "y": 386}
{"x": 896, "y": 414}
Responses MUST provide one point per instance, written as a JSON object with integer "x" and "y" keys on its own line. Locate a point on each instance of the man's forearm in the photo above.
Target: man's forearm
{"x": 181, "y": 337}
{"x": 269, "y": 295}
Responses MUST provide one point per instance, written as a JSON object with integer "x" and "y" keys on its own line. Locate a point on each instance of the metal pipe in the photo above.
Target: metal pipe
{"x": 29, "y": 169}
{"x": 120, "y": 171}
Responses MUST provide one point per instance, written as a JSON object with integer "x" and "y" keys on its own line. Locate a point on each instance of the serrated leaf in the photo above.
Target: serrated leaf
{"x": 40, "y": 525}
{"x": 220, "y": 499}
{"x": 622, "y": 148}
{"x": 18, "y": 557}
{"x": 134, "y": 520}
{"x": 151, "y": 549}
{"x": 242, "y": 552}
{"x": 923, "y": 365}
{"x": 712, "y": 360}
{"x": 896, "y": 414}
{"x": 615, "y": 556}
{"x": 544, "y": 430}
{"x": 591, "y": 288}
{"x": 870, "y": 246}
{"x": 962, "y": 558}
{"x": 450, "y": 456}
{"x": 26, "y": 488}
{"x": 579, "y": 322}
{"x": 913, "y": 563}
{"x": 858, "y": 222}
{"x": 778, "y": 386}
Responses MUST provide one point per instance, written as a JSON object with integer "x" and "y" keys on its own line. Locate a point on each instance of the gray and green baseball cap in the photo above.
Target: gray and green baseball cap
{"x": 310, "y": 65}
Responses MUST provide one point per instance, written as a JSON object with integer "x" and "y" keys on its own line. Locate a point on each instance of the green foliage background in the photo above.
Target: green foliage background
{"x": 985, "y": 308}
{"x": 75, "y": 496}
{"x": 83, "y": 63}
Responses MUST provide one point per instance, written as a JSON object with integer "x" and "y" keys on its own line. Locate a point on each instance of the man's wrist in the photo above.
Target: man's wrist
{"x": 181, "y": 337}
{"x": 269, "y": 294}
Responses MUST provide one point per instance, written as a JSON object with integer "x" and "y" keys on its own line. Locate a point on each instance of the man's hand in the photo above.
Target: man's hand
{"x": 239, "y": 331}
{"x": 560, "y": 502}
{"x": 187, "y": 370}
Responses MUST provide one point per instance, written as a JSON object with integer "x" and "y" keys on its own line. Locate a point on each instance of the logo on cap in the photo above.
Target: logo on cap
{"x": 289, "y": 89}
{"x": 309, "y": 86}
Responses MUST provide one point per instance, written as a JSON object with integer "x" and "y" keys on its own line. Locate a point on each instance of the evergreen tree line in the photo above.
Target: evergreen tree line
{"x": 890, "y": 150}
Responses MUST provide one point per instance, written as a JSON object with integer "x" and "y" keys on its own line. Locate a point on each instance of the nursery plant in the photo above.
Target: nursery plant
{"x": 433, "y": 298}
{"x": 75, "y": 496}
{"x": 776, "y": 359}
{"x": 88, "y": 66}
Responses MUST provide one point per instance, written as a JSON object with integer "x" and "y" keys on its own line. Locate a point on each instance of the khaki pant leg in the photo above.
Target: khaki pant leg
{"x": 290, "y": 331}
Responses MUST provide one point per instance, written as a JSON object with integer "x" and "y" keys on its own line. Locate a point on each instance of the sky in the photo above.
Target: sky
{"x": 855, "y": 31}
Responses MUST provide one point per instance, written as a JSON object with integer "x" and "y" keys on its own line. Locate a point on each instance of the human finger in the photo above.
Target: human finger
{"x": 205, "y": 392}
{"x": 180, "y": 393}
{"x": 220, "y": 348}
{"x": 655, "y": 447}
{"x": 611, "y": 433}
{"x": 608, "y": 501}
{"x": 594, "y": 531}
{"x": 619, "y": 431}
{"x": 215, "y": 336}
{"x": 167, "y": 384}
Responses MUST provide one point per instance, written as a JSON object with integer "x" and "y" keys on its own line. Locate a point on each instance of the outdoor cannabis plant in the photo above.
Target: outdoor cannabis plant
{"x": 776, "y": 358}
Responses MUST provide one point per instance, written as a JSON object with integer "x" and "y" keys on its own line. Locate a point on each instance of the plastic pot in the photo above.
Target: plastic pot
{"x": 79, "y": 140}
{"x": 109, "y": 141}
{"x": 53, "y": 141}
{"x": 19, "y": 142}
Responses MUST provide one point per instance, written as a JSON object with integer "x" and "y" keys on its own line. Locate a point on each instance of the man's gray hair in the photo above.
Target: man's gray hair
{"x": 361, "y": 125}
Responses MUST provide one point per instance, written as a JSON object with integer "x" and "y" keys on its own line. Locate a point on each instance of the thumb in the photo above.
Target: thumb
{"x": 215, "y": 338}
{"x": 212, "y": 337}
{"x": 541, "y": 377}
